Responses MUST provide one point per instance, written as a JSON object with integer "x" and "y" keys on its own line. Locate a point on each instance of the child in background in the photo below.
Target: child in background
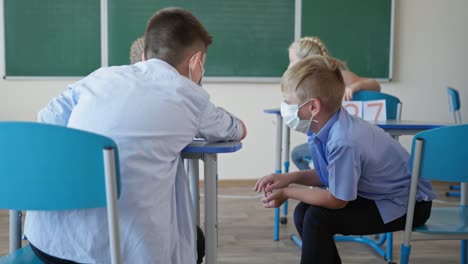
{"x": 310, "y": 46}
{"x": 367, "y": 181}
{"x": 136, "y": 50}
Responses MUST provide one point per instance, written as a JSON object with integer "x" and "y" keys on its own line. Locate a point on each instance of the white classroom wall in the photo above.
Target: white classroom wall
{"x": 431, "y": 52}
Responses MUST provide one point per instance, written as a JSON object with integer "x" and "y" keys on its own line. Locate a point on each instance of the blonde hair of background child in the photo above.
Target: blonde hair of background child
{"x": 310, "y": 46}
{"x": 316, "y": 77}
{"x": 136, "y": 50}
{"x": 307, "y": 46}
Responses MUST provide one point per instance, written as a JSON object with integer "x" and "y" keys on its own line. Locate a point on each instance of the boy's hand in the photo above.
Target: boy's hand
{"x": 274, "y": 199}
{"x": 270, "y": 182}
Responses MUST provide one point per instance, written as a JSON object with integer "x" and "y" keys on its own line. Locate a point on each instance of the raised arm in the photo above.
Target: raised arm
{"x": 355, "y": 83}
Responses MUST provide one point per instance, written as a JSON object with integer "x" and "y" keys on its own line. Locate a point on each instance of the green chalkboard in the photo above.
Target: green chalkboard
{"x": 358, "y": 32}
{"x": 52, "y": 37}
{"x": 251, "y": 37}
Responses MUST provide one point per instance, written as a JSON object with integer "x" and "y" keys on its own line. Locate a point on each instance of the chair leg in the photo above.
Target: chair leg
{"x": 377, "y": 246}
{"x": 463, "y": 252}
{"x": 452, "y": 194}
{"x": 297, "y": 240}
{"x": 389, "y": 252}
{"x": 405, "y": 252}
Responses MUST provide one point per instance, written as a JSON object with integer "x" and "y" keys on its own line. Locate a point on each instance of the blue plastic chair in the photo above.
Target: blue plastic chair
{"x": 47, "y": 167}
{"x": 393, "y": 104}
{"x": 454, "y": 107}
{"x": 439, "y": 154}
{"x": 393, "y": 109}
{"x": 454, "y": 104}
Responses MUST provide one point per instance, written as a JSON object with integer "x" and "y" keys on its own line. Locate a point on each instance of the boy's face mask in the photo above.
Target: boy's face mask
{"x": 290, "y": 112}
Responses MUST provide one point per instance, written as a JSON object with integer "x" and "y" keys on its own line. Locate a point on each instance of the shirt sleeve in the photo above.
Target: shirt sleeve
{"x": 216, "y": 124}
{"x": 59, "y": 109}
{"x": 344, "y": 168}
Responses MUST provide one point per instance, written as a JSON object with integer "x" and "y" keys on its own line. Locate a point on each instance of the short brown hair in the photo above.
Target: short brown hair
{"x": 173, "y": 32}
{"x": 316, "y": 77}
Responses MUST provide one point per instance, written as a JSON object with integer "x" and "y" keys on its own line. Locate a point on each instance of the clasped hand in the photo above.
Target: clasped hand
{"x": 273, "y": 186}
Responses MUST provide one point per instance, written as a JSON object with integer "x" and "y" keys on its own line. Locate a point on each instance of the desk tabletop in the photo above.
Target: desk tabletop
{"x": 408, "y": 125}
{"x": 275, "y": 111}
{"x": 203, "y": 147}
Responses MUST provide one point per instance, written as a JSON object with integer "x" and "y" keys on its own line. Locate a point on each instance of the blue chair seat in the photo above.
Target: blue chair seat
{"x": 450, "y": 220}
{"x": 23, "y": 255}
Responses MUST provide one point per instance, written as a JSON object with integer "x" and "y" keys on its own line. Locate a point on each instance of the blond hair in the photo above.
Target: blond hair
{"x": 311, "y": 46}
{"x": 316, "y": 77}
{"x": 307, "y": 46}
{"x": 136, "y": 50}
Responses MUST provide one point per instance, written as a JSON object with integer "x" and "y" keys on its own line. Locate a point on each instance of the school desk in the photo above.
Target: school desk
{"x": 208, "y": 152}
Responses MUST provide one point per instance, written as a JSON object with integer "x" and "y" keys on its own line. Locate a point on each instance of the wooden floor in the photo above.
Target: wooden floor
{"x": 245, "y": 235}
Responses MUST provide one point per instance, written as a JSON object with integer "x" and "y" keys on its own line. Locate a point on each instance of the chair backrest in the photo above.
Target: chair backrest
{"x": 393, "y": 104}
{"x": 47, "y": 167}
{"x": 454, "y": 104}
{"x": 443, "y": 153}
{"x": 56, "y": 167}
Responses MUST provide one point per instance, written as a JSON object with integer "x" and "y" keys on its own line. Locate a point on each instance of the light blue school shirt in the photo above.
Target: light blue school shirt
{"x": 355, "y": 158}
{"x": 152, "y": 112}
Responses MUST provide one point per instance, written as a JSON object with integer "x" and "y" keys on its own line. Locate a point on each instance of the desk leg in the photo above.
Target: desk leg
{"x": 15, "y": 230}
{"x": 194, "y": 179}
{"x": 279, "y": 137}
{"x": 211, "y": 210}
{"x": 287, "y": 131}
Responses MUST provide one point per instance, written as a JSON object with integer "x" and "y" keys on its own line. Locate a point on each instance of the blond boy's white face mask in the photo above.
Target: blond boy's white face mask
{"x": 290, "y": 114}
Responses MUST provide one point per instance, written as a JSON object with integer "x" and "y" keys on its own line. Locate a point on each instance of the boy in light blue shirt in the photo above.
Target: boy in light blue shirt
{"x": 365, "y": 171}
{"x": 152, "y": 109}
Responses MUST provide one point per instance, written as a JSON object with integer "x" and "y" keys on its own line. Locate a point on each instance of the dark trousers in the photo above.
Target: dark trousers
{"x": 317, "y": 226}
{"x": 48, "y": 259}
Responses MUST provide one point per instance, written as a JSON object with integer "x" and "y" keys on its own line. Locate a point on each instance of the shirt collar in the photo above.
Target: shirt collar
{"x": 323, "y": 133}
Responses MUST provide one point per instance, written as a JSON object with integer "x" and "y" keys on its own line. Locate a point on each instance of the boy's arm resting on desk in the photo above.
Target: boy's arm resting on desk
{"x": 244, "y": 129}
{"x": 59, "y": 109}
{"x": 216, "y": 124}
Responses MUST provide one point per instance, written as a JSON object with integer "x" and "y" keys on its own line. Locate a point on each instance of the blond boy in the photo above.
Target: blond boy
{"x": 365, "y": 173}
